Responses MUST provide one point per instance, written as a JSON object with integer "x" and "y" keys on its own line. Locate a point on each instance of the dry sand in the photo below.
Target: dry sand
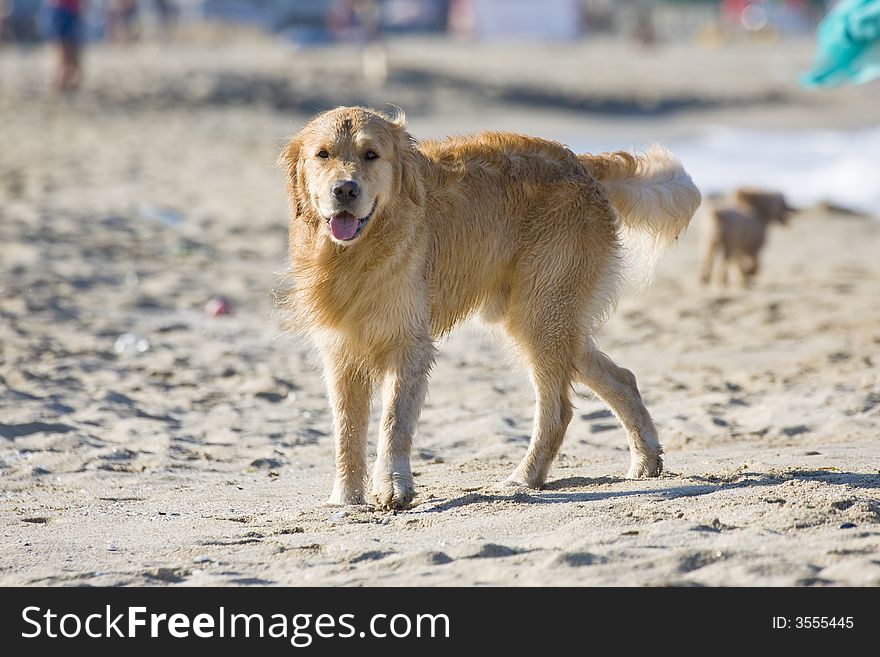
{"x": 206, "y": 459}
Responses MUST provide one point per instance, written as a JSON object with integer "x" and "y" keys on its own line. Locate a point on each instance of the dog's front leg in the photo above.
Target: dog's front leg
{"x": 403, "y": 394}
{"x": 350, "y": 391}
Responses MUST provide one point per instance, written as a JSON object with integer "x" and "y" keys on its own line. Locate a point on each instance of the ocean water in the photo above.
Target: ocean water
{"x": 809, "y": 166}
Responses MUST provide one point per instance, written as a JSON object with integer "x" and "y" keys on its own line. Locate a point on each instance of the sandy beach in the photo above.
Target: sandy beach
{"x": 205, "y": 456}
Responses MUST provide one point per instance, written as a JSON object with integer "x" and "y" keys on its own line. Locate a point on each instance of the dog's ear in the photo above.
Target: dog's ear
{"x": 410, "y": 174}
{"x": 288, "y": 160}
{"x": 289, "y": 157}
{"x": 409, "y": 171}
{"x": 748, "y": 196}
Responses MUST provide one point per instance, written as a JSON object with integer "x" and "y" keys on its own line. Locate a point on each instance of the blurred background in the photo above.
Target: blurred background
{"x": 715, "y": 79}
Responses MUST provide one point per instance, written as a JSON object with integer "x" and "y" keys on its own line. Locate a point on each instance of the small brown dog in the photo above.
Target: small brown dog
{"x": 394, "y": 242}
{"x": 736, "y": 230}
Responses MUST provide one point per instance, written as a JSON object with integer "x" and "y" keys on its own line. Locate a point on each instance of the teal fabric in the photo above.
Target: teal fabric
{"x": 848, "y": 45}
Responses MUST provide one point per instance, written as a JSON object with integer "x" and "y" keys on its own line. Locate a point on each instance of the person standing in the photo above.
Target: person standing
{"x": 67, "y": 31}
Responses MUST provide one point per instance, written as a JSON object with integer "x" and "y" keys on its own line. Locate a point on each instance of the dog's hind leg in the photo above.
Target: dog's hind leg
{"x": 350, "y": 390}
{"x": 553, "y": 412}
{"x": 548, "y": 339}
{"x": 403, "y": 394}
{"x": 617, "y": 387}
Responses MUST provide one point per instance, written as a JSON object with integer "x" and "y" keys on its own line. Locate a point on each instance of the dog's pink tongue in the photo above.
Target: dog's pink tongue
{"x": 343, "y": 226}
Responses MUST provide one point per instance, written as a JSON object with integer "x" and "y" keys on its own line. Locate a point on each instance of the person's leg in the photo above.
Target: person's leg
{"x": 70, "y": 66}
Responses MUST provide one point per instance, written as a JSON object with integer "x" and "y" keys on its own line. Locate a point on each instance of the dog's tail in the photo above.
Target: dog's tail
{"x": 654, "y": 197}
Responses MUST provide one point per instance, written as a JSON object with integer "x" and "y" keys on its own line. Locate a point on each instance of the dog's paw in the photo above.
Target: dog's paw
{"x": 525, "y": 478}
{"x": 394, "y": 492}
{"x": 342, "y": 496}
{"x": 504, "y": 487}
{"x": 513, "y": 484}
{"x": 645, "y": 466}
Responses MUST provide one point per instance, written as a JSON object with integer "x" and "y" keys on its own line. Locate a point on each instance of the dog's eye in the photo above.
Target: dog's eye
{"x": 371, "y": 155}
{"x": 323, "y": 155}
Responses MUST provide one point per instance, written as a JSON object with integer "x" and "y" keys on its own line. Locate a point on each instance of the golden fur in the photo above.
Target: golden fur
{"x": 518, "y": 229}
{"x": 735, "y": 231}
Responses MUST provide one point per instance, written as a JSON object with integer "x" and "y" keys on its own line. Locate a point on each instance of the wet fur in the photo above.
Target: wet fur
{"x": 518, "y": 229}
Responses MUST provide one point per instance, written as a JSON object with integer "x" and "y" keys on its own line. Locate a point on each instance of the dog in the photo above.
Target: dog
{"x": 736, "y": 231}
{"x": 393, "y": 242}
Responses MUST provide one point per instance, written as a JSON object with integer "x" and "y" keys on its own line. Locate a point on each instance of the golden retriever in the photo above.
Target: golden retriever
{"x": 736, "y": 231}
{"x": 393, "y": 242}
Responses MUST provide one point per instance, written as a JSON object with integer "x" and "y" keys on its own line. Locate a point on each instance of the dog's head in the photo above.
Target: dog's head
{"x": 347, "y": 170}
{"x": 768, "y": 206}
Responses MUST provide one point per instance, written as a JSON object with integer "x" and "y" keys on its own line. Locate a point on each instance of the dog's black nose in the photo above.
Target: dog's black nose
{"x": 346, "y": 190}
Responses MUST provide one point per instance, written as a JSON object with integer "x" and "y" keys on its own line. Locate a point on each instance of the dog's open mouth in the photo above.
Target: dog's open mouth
{"x": 345, "y": 226}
